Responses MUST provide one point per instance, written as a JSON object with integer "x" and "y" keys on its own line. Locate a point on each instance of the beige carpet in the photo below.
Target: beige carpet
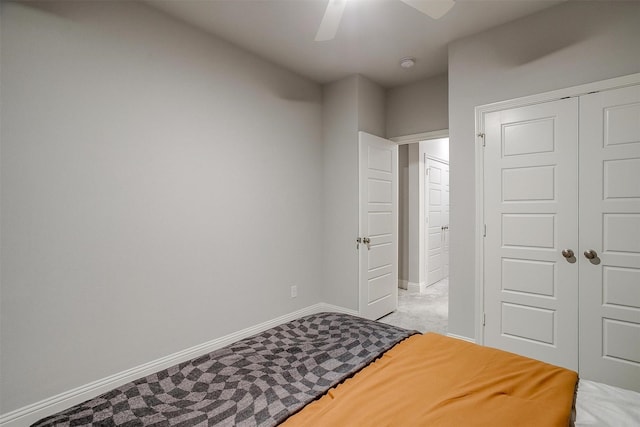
{"x": 426, "y": 311}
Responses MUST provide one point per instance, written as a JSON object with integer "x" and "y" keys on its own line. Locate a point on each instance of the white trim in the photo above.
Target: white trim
{"x": 417, "y": 137}
{"x": 480, "y": 111}
{"x": 31, "y": 413}
{"x": 436, "y": 158}
{"x": 403, "y": 284}
{"x": 322, "y": 307}
{"x": 479, "y": 225}
{"x": 609, "y": 84}
{"x": 460, "y": 337}
{"x": 416, "y": 287}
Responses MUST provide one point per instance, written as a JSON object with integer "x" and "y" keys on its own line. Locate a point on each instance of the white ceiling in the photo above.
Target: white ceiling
{"x": 373, "y": 35}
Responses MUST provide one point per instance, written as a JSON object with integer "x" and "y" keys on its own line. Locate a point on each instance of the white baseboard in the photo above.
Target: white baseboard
{"x": 416, "y": 287}
{"x": 334, "y": 308}
{"x": 460, "y": 337}
{"x": 29, "y": 414}
{"x": 403, "y": 284}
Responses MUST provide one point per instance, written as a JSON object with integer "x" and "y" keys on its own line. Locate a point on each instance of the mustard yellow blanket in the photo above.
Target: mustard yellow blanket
{"x": 433, "y": 380}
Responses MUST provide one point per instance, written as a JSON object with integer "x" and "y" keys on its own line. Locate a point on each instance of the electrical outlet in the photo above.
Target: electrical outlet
{"x": 294, "y": 291}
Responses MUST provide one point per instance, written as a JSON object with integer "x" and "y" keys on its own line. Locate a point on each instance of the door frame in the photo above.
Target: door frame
{"x": 480, "y": 112}
{"x": 412, "y": 139}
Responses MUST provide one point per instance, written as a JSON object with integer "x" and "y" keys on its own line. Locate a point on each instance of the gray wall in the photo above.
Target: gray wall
{"x": 418, "y": 107}
{"x": 349, "y": 105}
{"x": 159, "y": 189}
{"x": 570, "y": 44}
{"x": 340, "y": 135}
{"x": 403, "y": 214}
{"x": 371, "y": 107}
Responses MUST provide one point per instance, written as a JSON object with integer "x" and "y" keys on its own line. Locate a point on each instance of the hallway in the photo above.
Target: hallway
{"x": 426, "y": 311}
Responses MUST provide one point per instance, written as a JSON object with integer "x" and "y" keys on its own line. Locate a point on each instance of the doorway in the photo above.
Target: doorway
{"x": 423, "y": 233}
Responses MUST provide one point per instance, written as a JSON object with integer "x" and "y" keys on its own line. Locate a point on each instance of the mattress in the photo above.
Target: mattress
{"x": 433, "y": 380}
{"x": 334, "y": 369}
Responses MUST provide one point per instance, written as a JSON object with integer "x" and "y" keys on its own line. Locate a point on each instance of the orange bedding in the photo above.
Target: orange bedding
{"x": 433, "y": 380}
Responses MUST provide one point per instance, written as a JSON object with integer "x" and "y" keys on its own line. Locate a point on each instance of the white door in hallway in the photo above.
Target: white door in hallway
{"x": 610, "y": 229}
{"x": 378, "y": 251}
{"x": 437, "y": 219}
{"x": 530, "y": 211}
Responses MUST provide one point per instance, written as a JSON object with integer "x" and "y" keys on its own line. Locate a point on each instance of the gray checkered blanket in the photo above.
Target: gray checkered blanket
{"x": 258, "y": 381}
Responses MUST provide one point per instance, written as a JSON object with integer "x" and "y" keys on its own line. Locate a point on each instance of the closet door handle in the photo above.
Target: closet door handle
{"x": 590, "y": 254}
{"x": 567, "y": 253}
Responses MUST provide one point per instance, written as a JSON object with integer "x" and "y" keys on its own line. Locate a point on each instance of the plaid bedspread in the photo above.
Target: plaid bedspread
{"x": 258, "y": 381}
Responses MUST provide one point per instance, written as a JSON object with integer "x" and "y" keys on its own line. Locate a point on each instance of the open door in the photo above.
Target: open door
{"x": 378, "y": 252}
{"x": 437, "y": 219}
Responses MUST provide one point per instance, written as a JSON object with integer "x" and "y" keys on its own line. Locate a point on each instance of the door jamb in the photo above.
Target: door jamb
{"x": 480, "y": 112}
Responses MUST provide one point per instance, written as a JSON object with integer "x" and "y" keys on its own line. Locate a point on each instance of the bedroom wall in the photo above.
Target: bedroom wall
{"x": 160, "y": 188}
{"x": 567, "y": 45}
{"x": 371, "y": 107}
{"x": 349, "y": 105}
{"x": 418, "y": 107}
{"x": 340, "y": 135}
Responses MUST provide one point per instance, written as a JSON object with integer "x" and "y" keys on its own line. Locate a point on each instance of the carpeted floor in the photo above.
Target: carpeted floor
{"x": 426, "y": 311}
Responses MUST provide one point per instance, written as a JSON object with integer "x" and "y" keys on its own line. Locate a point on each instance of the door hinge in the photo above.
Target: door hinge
{"x": 484, "y": 232}
{"x": 481, "y": 135}
{"x": 484, "y": 319}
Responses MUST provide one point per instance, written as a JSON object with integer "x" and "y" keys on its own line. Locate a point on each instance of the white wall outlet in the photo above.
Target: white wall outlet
{"x": 294, "y": 291}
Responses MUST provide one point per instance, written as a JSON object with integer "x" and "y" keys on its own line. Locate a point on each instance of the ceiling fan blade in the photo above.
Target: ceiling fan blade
{"x": 331, "y": 20}
{"x": 434, "y": 8}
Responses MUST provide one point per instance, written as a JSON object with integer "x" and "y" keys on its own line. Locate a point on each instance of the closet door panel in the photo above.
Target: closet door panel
{"x": 530, "y": 210}
{"x": 610, "y": 228}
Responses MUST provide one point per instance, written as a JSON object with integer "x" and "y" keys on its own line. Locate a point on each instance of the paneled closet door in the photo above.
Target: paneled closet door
{"x": 609, "y": 255}
{"x": 530, "y": 211}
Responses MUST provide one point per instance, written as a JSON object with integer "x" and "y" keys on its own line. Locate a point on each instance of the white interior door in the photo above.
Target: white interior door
{"x": 437, "y": 219}
{"x": 530, "y": 211}
{"x": 610, "y": 227}
{"x": 378, "y": 170}
{"x": 445, "y": 215}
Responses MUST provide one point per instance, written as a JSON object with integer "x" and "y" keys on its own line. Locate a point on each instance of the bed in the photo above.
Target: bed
{"x": 335, "y": 369}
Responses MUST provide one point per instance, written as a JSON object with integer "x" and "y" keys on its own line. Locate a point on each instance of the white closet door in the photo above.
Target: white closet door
{"x": 530, "y": 190}
{"x": 437, "y": 198}
{"x": 378, "y": 263}
{"x": 610, "y": 227}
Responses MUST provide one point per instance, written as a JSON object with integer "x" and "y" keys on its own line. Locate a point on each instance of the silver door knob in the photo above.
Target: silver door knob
{"x": 367, "y": 242}
{"x": 590, "y": 254}
{"x": 567, "y": 253}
